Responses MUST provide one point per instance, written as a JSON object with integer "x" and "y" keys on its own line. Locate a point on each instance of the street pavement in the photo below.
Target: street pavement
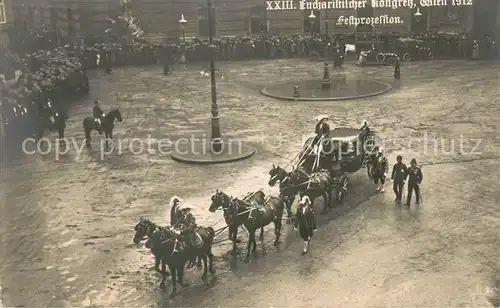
{"x": 68, "y": 223}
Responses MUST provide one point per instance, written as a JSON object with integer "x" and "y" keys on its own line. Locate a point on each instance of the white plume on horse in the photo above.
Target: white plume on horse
{"x": 171, "y": 202}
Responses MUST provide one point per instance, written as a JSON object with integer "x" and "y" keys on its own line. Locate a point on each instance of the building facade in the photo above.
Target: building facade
{"x": 250, "y": 17}
{"x": 6, "y": 20}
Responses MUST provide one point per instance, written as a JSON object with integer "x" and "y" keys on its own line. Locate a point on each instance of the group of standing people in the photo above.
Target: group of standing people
{"x": 399, "y": 176}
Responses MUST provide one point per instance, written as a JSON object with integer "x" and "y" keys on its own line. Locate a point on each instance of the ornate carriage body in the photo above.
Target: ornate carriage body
{"x": 344, "y": 150}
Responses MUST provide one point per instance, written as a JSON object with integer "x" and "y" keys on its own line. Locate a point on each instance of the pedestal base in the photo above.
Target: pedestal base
{"x": 197, "y": 151}
{"x": 340, "y": 88}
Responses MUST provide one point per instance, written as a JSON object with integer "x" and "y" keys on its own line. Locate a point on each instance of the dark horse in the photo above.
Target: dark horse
{"x": 144, "y": 230}
{"x": 107, "y": 125}
{"x": 254, "y": 216}
{"x": 287, "y": 192}
{"x": 173, "y": 251}
{"x": 314, "y": 185}
{"x": 221, "y": 200}
{"x": 56, "y": 121}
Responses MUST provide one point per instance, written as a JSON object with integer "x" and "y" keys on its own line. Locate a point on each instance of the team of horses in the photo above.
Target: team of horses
{"x": 255, "y": 211}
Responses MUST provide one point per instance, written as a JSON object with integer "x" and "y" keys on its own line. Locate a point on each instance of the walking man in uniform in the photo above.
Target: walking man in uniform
{"x": 415, "y": 177}
{"x": 399, "y": 172}
{"x": 305, "y": 222}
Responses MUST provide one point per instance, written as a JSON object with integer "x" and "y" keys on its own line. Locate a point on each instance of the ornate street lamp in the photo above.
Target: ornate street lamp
{"x": 312, "y": 19}
{"x": 183, "y": 22}
{"x": 218, "y": 151}
{"x": 216, "y": 142}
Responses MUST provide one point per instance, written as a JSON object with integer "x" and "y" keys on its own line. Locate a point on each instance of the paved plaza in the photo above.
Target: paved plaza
{"x": 68, "y": 223}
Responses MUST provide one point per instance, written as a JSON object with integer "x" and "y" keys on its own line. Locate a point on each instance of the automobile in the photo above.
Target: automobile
{"x": 374, "y": 57}
{"x": 413, "y": 49}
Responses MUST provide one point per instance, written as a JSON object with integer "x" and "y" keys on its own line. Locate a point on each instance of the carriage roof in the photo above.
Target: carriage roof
{"x": 344, "y": 134}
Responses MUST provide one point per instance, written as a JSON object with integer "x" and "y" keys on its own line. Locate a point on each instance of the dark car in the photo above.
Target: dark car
{"x": 413, "y": 49}
{"x": 372, "y": 56}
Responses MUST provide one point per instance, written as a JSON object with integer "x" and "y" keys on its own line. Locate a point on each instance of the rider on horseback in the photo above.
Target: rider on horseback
{"x": 175, "y": 211}
{"x": 98, "y": 116}
{"x": 182, "y": 219}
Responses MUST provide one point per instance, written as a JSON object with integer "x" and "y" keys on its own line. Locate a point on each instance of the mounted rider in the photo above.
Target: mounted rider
{"x": 175, "y": 210}
{"x": 98, "y": 116}
{"x": 183, "y": 221}
{"x": 380, "y": 167}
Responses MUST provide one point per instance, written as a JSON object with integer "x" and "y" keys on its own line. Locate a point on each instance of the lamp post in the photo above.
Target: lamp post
{"x": 183, "y": 22}
{"x": 312, "y": 19}
{"x": 216, "y": 151}
{"x": 216, "y": 142}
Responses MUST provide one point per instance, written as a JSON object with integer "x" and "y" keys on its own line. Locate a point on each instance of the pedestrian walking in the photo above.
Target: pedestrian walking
{"x": 397, "y": 71}
{"x": 415, "y": 178}
{"x": 305, "y": 222}
{"x": 398, "y": 177}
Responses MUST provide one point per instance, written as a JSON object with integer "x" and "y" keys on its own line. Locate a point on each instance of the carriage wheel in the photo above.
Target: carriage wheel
{"x": 406, "y": 57}
{"x": 380, "y": 57}
{"x": 341, "y": 191}
{"x": 391, "y": 61}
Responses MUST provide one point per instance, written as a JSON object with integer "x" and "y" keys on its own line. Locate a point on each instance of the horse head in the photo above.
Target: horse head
{"x": 277, "y": 174}
{"x": 113, "y": 115}
{"x": 164, "y": 237}
{"x": 219, "y": 200}
{"x": 145, "y": 228}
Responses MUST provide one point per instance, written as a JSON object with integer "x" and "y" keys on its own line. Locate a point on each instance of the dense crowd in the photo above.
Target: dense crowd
{"x": 55, "y": 73}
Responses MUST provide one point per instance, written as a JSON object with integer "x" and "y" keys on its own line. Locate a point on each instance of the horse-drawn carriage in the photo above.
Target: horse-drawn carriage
{"x": 342, "y": 151}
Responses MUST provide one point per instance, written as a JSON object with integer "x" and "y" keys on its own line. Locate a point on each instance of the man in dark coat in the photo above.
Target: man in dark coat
{"x": 175, "y": 211}
{"x": 399, "y": 172}
{"x": 305, "y": 222}
{"x": 98, "y": 115}
{"x": 397, "y": 70}
{"x": 380, "y": 167}
{"x": 415, "y": 178}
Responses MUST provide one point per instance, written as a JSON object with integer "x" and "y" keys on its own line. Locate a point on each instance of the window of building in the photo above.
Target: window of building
{"x": 71, "y": 22}
{"x": 258, "y": 20}
{"x": 3, "y": 16}
{"x": 311, "y": 25}
{"x": 366, "y": 12}
{"x": 203, "y": 30}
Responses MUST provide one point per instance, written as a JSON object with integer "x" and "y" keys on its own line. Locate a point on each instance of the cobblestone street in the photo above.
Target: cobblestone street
{"x": 68, "y": 223}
